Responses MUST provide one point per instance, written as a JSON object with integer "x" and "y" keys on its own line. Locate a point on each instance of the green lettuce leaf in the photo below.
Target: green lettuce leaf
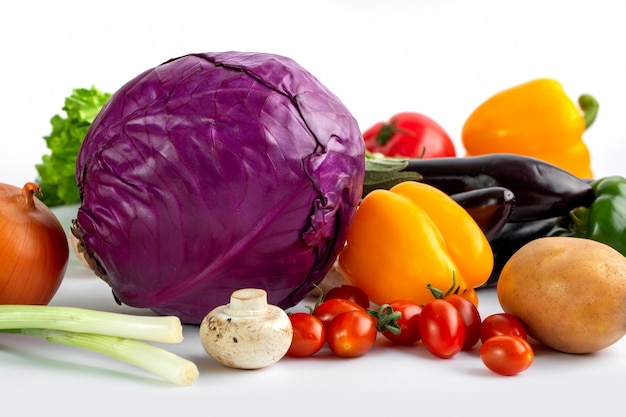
{"x": 57, "y": 169}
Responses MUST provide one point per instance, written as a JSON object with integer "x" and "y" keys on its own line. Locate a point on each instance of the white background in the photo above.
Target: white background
{"x": 439, "y": 57}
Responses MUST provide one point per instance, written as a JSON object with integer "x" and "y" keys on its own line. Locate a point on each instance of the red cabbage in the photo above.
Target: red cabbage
{"x": 214, "y": 172}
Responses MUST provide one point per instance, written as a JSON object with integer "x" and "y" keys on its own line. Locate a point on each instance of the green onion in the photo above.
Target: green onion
{"x": 165, "y": 329}
{"x": 113, "y": 334}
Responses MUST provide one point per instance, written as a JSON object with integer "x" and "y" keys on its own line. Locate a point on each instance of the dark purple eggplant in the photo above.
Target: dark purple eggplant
{"x": 490, "y": 207}
{"x": 541, "y": 190}
{"x": 511, "y": 238}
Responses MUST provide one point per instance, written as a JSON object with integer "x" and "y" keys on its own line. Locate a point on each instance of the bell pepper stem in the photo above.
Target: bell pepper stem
{"x": 589, "y": 105}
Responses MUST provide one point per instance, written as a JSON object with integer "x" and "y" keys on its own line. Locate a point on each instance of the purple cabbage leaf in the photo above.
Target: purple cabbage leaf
{"x": 214, "y": 172}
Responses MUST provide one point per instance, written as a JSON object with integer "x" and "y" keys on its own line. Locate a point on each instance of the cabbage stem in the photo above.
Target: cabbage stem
{"x": 156, "y": 360}
{"x": 163, "y": 329}
{"x": 117, "y": 335}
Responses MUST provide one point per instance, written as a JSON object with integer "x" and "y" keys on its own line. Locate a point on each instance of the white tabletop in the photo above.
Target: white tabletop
{"x": 441, "y": 58}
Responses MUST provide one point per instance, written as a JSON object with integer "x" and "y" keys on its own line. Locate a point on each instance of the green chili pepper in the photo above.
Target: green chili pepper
{"x": 604, "y": 220}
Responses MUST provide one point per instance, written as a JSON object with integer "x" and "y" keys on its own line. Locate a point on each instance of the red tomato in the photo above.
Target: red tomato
{"x": 411, "y": 135}
{"x": 502, "y": 324}
{"x": 349, "y": 292}
{"x": 309, "y": 335}
{"x": 471, "y": 318}
{"x": 442, "y": 329}
{"x": 351, "y": 334}
{"x": 408, "y": 323}
{"x": 327, "y": 310}
{"x": 507, "y": 355}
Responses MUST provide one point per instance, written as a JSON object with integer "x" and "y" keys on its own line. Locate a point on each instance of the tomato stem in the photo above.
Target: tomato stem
{"x": 386, "y": 318}
{"x": 437, "y": 293}
{"x": 387, "y": 130}
{"x": 318, "y": 301}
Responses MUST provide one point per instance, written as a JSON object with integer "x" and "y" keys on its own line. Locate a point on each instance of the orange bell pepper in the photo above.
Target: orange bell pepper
{"x": 535, "y": 119}
{"x": 403, "y": 239}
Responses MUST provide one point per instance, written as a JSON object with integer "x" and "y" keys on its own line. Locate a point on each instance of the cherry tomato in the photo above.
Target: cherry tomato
{"x": 309, "y": 335}
{"x": 408, "y": 323}
{"x": 502, "y": 324}
{"x": 507, "y": 355}
{"x": 351, "y": 334}
{"x": 349, "y": 292}
{"x": 471, "y": 318}
{"x": 328, "y": 309}
{"x": 442, "y": 329}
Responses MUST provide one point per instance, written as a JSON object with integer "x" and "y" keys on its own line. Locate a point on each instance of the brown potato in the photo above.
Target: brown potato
{"x": 569, "y": 292}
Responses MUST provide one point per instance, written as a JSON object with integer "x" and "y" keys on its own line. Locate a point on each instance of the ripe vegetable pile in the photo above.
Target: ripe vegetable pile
{"x": 218, "y": 176}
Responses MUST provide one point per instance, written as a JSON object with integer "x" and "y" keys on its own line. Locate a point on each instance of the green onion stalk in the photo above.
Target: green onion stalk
{"x": 121, "y": 336}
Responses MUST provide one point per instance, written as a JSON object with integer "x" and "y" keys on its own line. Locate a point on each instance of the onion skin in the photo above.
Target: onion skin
{"x": 34, "y": 250}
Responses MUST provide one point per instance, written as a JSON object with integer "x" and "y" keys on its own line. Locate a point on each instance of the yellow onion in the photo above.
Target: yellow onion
{"x": 34, "y": 250}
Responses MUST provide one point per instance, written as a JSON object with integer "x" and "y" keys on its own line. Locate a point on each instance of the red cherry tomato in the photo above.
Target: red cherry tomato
{"x": 502, "y": 324}
{"x": 327, "y": 310}
{"x": 351, "y": 334}
{"x": 507, "y": 355}
{"x": 408, "y": 323}
{"x": 309, "y": 335}
{"x": 411, "y": 135}
{"x": 471, "y": 318}
{"x": 442, "y": 329}
{"x": 349, "y": 292}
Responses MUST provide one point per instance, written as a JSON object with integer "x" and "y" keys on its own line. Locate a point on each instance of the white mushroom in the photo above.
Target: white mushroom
{"x": 247, "y": 333}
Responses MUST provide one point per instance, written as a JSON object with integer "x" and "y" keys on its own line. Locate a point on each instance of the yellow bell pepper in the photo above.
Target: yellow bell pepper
{"x": 535, "y": 119}
{"x": 412, "y": 235}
